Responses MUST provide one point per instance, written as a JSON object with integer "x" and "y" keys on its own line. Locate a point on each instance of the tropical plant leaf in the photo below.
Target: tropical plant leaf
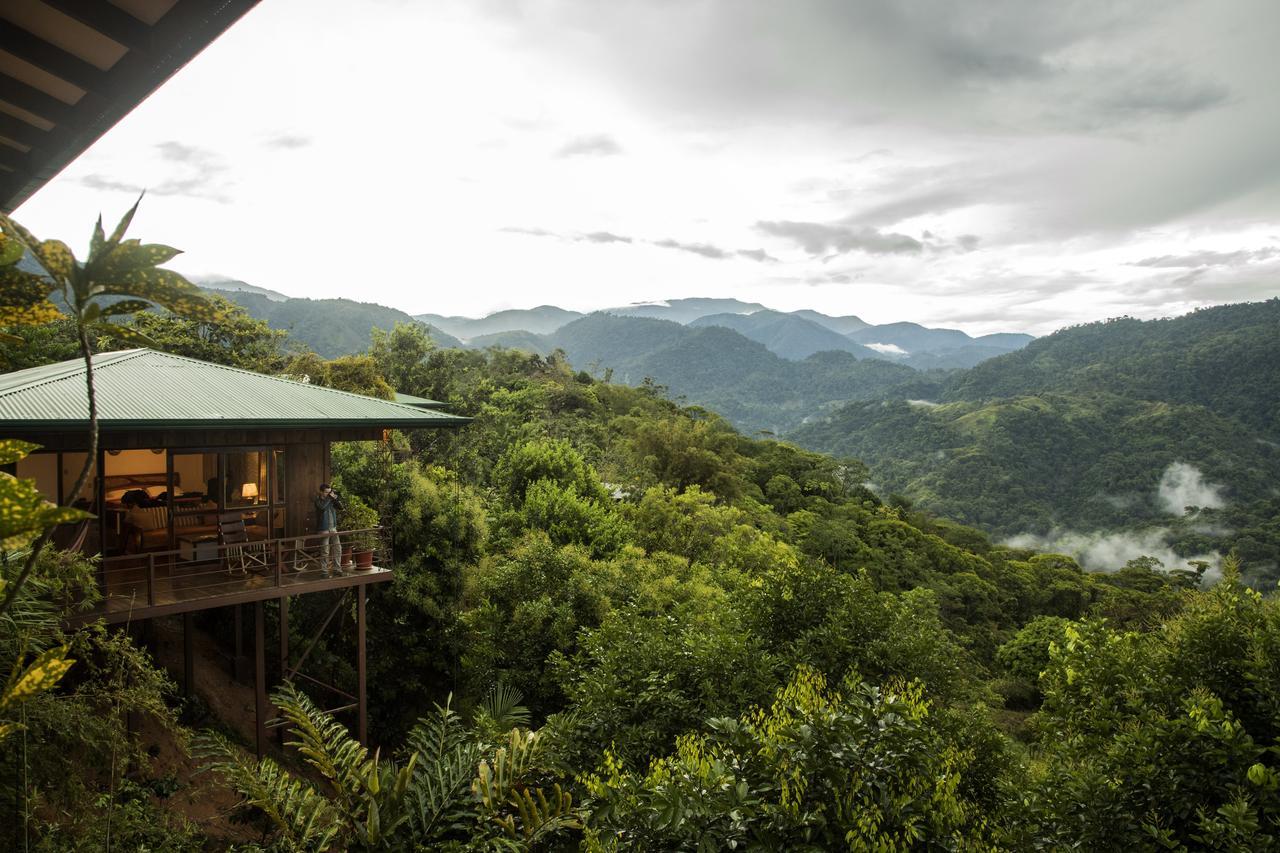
{"x": 325, "y": 744}
{"x": 11, "y": 251}
{"x": 43, "y": 673}
{"x": 98, "y": 241}
{"x": 168, "y": 289}
{"x": 57, "y": 259}
{"x": 127, "y": 334}
{"x": 124, "y": 223}
{"x": 16, "y": 231}
{"x": 13, "y": 449}
{"x": 24, "y": 512}
{"x": 306, "y": 819}
{"x": 438, "y": 795}
{"x": 125, "y": 306}
{"x": 502, "y": 706}
{"x": 24, "y": 298}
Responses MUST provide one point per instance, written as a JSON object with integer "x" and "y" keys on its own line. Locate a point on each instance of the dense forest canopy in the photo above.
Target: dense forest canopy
{"x": 618, "y": 623}
{"x": 1083, "y": 430}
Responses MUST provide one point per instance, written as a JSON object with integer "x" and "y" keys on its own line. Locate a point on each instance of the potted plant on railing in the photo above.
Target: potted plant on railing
{"x": 363, "y": 519}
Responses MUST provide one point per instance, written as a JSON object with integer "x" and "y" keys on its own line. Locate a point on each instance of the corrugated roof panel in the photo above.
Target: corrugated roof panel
{"x": 142, "y": 388}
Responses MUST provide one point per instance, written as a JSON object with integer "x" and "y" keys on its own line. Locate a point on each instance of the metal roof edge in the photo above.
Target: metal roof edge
{"x": 60, "y": 370}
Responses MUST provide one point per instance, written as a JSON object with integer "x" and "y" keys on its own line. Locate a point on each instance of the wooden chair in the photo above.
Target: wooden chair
{"x": 306, "y": 556}
{"x": 242, "y": 554}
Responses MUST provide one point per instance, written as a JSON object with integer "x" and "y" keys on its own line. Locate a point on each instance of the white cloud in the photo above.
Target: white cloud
{"x": 1063, "y": 162}
{"x": 1108, "y": 552}
{"x": 1182, "y": 485}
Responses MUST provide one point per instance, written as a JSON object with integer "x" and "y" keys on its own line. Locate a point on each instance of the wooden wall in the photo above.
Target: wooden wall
{"x": 306, "y": 467}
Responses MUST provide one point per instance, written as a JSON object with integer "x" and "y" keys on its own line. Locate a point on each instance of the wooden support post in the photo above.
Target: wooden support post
{"x": 237, "y": 664}
{"x": 284, "y": 652}
{"x": 260, "y": 677}
{"x": 188, "y": 654}
{"x": 362, "y": 721}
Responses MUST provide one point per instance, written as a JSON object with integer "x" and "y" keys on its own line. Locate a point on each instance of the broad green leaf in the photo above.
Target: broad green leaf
{"x": 125, "y": 220}
{"x": 52, "y": 516}
{"x": 128, "y": 334}
{"x": 125, "y": 306}
{"x": 11, "y": 251}
{"x": 169, "y": 289}
{"x": 12, "y": 340}
{"x": 57, "y": 259}
{"x": 45, "y": 671}
{"x": 24, "y": 299}
{"x": 98, "y": 241}
{"x": 12, "y": 449}
{"x": 7, "y": 729}
{"x": 21, "y": 508}
{"x": 22, "y": 235}
{"x": 155, "y": 254}
{"x": 132, "y": 255}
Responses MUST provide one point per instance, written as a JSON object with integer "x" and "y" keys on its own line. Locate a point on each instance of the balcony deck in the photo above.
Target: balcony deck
{"x": 142, "y": 586}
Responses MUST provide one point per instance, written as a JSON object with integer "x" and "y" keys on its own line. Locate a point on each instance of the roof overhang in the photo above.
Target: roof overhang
{"x": 147, "y": 390}
{"x": 71, "y": 69}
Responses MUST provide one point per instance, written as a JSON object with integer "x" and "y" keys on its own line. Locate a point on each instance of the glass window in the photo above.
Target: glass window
{"x": 278, "y": 461}
{"x": 196, "y": 484}
{"x": 245, "y": 478}
{"x": 43, "y": 468}
{"x": 71, "y": 465}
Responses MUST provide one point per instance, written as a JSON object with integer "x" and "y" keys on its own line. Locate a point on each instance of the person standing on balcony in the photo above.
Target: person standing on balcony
{"x": 327, "y": 505}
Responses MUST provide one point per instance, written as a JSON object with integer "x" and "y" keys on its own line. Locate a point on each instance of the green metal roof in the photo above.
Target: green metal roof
{"x": 144, "y": 389}
{"x": 418, "y": 402}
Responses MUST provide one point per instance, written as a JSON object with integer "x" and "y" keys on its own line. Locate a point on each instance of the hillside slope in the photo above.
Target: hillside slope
{"x": 1114, "y": 426}
{"x": 331, "y": 327}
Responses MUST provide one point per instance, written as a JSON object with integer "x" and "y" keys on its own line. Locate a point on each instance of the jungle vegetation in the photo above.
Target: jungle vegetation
{"x": 617, "y": 623}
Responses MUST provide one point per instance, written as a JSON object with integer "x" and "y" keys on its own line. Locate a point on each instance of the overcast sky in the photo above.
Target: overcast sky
{"x": 994, "y": 166}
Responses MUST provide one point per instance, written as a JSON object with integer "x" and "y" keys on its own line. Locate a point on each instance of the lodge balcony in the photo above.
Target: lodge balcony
{"x": 203, "y": 573}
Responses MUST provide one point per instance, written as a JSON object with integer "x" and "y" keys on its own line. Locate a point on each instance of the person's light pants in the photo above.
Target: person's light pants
{"x": 329, "y": 538}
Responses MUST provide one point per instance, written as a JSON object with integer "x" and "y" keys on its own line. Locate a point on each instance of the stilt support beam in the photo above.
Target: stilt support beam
{"x": 260, "y": 677}
{"x": 362, "y": 721}
{"x": 284, "y": 652}
{"x": 237, "y": 665}
{"x": 188, "y": 654}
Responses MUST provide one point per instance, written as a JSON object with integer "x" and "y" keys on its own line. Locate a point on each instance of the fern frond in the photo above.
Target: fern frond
{"x": 303, "y": 816}
{"x": 327, "y": 746}
{"x": 438, "y": 793}
{"x": 503, "y": 709}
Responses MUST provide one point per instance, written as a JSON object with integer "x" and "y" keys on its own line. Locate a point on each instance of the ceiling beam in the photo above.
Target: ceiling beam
{"x": 19, "y": 131}
{"x": 33, "y": 100}
{"x": 52, "y": 59}
{"x": 114, "y": 23}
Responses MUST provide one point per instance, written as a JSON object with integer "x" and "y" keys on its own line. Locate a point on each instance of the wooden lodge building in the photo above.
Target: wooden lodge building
{"x": 203, "y": 488}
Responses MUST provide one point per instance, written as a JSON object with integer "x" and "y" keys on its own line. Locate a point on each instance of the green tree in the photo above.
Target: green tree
{"x": 119, "y": 277}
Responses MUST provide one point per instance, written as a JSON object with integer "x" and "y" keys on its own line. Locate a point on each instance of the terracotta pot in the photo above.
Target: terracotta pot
{"x": 364, "y": 559}
{"x": 346, "y": 555}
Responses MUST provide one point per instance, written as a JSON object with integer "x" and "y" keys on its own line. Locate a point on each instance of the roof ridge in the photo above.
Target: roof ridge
{"x": 59, "y": 371}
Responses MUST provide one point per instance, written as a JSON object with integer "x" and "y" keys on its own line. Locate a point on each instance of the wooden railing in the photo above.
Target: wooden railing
{"x": 204, "y": 568}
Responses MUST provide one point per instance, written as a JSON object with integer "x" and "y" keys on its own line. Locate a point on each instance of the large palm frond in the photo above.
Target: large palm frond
{"x": 305, "y": 818}
{"x": 370, "y": 794}
{"x": 439, "y": 795}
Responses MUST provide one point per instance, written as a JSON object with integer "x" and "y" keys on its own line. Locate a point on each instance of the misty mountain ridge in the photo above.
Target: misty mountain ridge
{"x": 793, "y": 335}
{"x": 231, "y": 285}
{"x": 1105, "y": 441}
